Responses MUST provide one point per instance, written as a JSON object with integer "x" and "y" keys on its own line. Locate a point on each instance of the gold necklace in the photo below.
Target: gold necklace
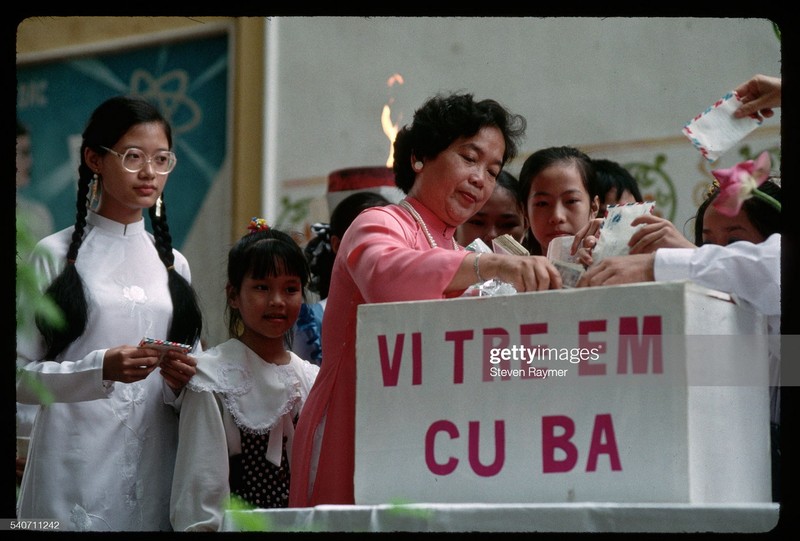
{"x": 406, "y": 205}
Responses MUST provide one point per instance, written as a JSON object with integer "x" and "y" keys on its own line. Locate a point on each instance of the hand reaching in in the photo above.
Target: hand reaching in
{"x": 623, "y": 269}
{"x": 760, "y": 95}
{"x": 655, "y": 233}
{"x": 524, "y": 272}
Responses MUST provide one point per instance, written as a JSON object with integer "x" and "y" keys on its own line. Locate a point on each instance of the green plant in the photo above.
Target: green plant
{"x": 31, "y": 302}
{"x": 248, "y": 522}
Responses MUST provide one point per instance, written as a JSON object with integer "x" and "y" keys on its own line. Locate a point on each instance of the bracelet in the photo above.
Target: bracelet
{"x": 476, "y": 267}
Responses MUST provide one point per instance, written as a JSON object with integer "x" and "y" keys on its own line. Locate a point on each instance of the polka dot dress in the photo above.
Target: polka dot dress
{"x": 258, "y": 481}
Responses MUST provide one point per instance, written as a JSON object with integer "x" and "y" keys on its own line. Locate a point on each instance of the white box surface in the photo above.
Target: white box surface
{"x": 669, "y": 404}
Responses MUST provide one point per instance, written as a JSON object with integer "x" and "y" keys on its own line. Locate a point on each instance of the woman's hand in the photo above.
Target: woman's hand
{"x": 178, "y": 368}
{"x": 585, "y": 241}
{"x": 656, "y": 233}
{"x": 524, "y": 272}
{"x": 128, "y": 364}
{"x": 760, "y": 95}
{"x": 623, "y": 269}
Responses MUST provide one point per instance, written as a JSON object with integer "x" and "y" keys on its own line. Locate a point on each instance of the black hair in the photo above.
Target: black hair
{"x": 351, "y": 206}
{"x": 612, "y": 175}
{"x": 445, "y": 118}
{"x": 764, "y": 217}
{"x": 319, "y": 254}
{"x": 541, "y": 160}
{"x": 264, "y": 252}
{"x": 319, "y": 250}
{"x": 510, "y": 183}
{"x": 108, "y": 124}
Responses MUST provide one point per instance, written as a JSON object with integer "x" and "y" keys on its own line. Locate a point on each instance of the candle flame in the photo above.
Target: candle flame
{"x": 391, "y": 132}
{"x": 390, "y": 128}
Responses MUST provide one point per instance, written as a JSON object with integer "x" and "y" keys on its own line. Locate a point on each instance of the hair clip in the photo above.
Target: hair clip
{"x": 257, "y": 224}
{"x": 713, "y": 188}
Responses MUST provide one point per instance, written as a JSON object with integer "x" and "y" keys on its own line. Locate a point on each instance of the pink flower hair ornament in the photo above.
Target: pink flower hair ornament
{"x": 257, "y": 224}
{"x": 741, "y": 182}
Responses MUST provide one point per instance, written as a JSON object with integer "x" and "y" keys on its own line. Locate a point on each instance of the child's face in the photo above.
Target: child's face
{"x": 269, "y": 306}
{"x": 500, "y": 215}
{"x": 723, "y": 230}
{"x": 558, "y": 203}
{"x": 612, "y": 199}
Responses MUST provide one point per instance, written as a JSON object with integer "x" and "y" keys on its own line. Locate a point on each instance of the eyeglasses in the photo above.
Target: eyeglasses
{"x": 135, "y": 159}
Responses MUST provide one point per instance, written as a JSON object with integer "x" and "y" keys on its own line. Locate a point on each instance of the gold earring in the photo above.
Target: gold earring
{"x": 94, "y": 193}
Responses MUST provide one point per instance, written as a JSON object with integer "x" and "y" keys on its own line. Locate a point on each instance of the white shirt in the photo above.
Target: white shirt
{"x": 102, "y": 454}
{"x": 233, "y": 389}
{"x": 749, "y": 272}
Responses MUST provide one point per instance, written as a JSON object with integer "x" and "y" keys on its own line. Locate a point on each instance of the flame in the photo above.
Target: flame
{"x": 391, "y": 132}
{"x": 389, "y": 128}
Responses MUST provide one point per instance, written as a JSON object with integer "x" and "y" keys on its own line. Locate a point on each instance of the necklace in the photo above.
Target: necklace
{"x": 417, "y": 218}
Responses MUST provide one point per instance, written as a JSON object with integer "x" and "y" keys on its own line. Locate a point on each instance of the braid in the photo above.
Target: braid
{"x": 109, "y": 122}
{"x": 80, "y": 219}
{"x": 187, "y": 319}
{"x": 161, "y": 233}
{"x": 67, "y": 289}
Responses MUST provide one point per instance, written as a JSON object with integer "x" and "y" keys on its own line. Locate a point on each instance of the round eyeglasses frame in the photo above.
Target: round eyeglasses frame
{"x": 173, "y": 159}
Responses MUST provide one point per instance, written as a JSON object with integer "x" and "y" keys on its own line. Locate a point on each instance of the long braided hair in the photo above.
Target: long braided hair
{"x": 108, "y": 123}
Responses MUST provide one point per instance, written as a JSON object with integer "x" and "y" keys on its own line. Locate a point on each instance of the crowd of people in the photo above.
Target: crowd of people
{"x": 133, "y": 437}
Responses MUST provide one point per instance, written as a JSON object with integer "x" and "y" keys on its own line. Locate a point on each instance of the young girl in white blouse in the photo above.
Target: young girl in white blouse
{"x": 239, "y": 411}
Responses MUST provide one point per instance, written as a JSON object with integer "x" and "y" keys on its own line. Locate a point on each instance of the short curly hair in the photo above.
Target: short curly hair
{"x": 445, "y": 118}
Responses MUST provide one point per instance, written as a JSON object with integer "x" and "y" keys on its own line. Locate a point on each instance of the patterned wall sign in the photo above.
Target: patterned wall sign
{"x": 186, "y": 78}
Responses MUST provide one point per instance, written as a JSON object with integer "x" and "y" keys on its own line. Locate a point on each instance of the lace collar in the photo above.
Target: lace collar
{"x": 255, "y": 392}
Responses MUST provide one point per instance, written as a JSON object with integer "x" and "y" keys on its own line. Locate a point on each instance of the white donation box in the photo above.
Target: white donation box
{"x": 639, "y": 393}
